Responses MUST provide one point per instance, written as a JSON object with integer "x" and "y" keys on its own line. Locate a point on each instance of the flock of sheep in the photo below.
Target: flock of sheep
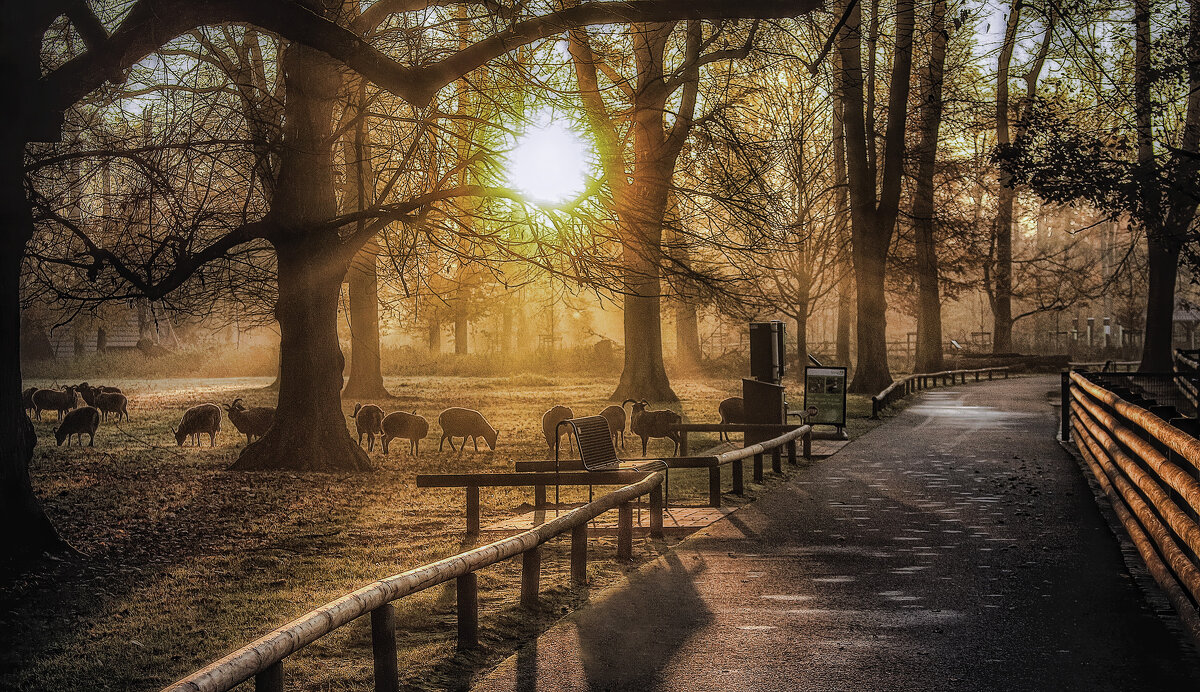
{"x": 80, "y": 408}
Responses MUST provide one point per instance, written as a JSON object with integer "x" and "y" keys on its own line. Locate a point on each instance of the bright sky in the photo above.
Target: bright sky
{"x": 549, "y": 164}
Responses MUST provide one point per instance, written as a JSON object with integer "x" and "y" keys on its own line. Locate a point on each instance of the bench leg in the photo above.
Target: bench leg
{"x": 714, "y": 486}
{"x": 472, "y": 509}
{"x": 579, "y": 554}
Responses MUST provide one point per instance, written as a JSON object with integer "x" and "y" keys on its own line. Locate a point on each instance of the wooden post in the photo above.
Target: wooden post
{"x": 738, "y": 488}
{"x": 467, "y": 593}
{"x": 383, "y": 647}
{"x": 791, "y": 447}
{"x": 271, "y": 679}
{"x": 976, "y": 375}
{"x": 758, "y": 468}
{"x": 683, "y": 443}
{"x": 539, "y": 496}
{"x": 1066, "y": 405}
{"x": 714, "y": 486}
{"x": 874, "y": 407}
{"x": 656, "y": 512}
{"x": 531, "y": 569}
{"x": 579, "y": 554}
{"x": 989, "y": 374}
{"x": 472, "y": 509}
{"x": 625, "y": 531}
{"x": 808, "y": 445}
{"x": 776, "y": 460}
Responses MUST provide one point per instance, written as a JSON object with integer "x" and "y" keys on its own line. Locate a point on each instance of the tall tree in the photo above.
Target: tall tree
{"x": 873, "y": 210}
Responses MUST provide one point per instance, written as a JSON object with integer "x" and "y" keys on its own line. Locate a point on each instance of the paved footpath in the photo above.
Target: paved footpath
{"x": 956, "y": 547}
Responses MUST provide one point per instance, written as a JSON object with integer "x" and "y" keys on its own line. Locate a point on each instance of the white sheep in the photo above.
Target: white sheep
{"x": 464, "y": 423}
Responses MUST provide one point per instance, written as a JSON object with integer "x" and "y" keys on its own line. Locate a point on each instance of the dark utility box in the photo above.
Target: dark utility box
{"x": 766, "y": 351}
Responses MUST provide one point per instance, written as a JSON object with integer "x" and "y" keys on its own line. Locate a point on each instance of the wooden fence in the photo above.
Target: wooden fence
{"x": 1148, "y": 468}
{"x": 916, "y": 382}
{"x": 263, "y": 658}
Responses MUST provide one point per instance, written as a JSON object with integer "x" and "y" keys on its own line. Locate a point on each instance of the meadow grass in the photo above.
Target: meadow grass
{"x": 184, "y": 561}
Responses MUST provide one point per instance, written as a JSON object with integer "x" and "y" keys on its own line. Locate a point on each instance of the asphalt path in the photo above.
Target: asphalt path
{"x": 956, "y": 547}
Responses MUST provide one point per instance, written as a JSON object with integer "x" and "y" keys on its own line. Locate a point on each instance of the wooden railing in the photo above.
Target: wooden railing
{"x": 1187, "y": 369}
{"x": 1106, "y": 366}
{"x": 914, "y": 383}
{"x": 1148, "y": 469}
{"x": 263, "y": 658}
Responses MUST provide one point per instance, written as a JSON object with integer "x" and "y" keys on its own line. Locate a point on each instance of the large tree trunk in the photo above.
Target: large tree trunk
{"x": 1163, "y": 263}
{"x": 366, "y": 371}
{"x": 310, "y": 432}
{"x": 25, "y": 530}
{"x": 1002, "y": 274}
{"x": 845, "y": 308}
{"x": 644, "y": 376}
{"x": 929, "y": 305}
{"x": 687, "y": 334}
{"x": 460, "y": 329}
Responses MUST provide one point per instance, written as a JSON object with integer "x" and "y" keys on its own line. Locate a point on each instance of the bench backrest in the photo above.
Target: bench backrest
{"x": 594, "y": 441}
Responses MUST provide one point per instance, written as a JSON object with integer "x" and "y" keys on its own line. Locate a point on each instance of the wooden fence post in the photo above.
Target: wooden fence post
{"x": 472, "y": 509}
{"x": 808, "y": 444}
{"x": 683, "y": 443}
{"x": 539, "y": 496}
{"x": 467, "y": 594}
{"x": 625, "y": 531}
{"x": 776, "y": 460}
{"x": 791, "y": 447}
{"x": 579, "y": 554}
{"x": 714, "y": 486}
{"x": 383, "y": 648}
{"x": 531, "y": 570}
{"x": 271, "y": 679}
{"x": 656, "y": 512}
{"x": 738, "y": 472}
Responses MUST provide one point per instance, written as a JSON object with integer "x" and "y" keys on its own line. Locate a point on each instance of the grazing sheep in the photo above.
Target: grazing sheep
{"x": 464, "y": 423}
{"x": 409, "y": 426}
{"x": 368, "y": 420}
{"x": 111, "y": 402}
{"x": 648, "y": 423}
{"x": 197, "y": 420}
{"x": 615, "y": 415}
{"x": 251, "y": 422}
{"x": 55, "y": 400}
{"x": 77, "y": 422}
{"x": 27, "y": 399}
{"x": 732, "y": 410}
{"x": 550, "y": 421}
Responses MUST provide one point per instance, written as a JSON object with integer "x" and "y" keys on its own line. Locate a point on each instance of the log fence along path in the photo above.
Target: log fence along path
{"x": 958, "y": 546}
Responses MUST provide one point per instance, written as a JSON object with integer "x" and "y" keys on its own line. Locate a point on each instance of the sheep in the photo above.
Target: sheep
{"x": 550, "y": 421}
{"x": 251, "y": 422}
{"x": 87, "y": 392}
{"x": 77, "y": 422}
{"x": 368, "y": 420}
{"x": 55, "y": 400}
{"x": 27, "y": 399}
{"x": 464, "y": 423}
{"x": 197, "y": 420}
{"x": 615, "y": 415}
{"x": 732, "y": 410}
{"x": 653, "y": 423}
{"x": 409, "y": 426}
{"x": 111, "y": 402}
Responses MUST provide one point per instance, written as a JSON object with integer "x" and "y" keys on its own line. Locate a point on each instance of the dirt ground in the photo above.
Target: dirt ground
{"x": 183, "y": 561}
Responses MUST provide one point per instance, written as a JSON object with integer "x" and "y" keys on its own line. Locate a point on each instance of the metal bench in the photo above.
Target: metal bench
{"x": 593, "y": 440}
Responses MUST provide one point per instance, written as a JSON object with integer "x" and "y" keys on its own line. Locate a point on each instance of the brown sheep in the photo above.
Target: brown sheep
{"x": 464, "y": 423}
{"x": 27, "y": 399}
{"x": 77, "y": 422}
{"x": 647, "y": 423}
{"x": 111, "y": 402}
{"x": 615, "y": 415}
{"x": 550, "y": 421}
{"x": 251, "y": 422}
{"x": 197, "y": 420}
{"x": 55, "y": 400}
{"x": 732, "y": 410}
{"x": 368, "y": 420}
{"x": 409, "y": 426}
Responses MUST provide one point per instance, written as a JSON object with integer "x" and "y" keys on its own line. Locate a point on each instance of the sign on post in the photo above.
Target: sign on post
{"x": 825, "y": 395}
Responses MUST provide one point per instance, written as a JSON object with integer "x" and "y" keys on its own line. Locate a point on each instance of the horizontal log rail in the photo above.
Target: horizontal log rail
{"x": 1148, "y": 469}
{"x": 1115, "y": 365}
{"x": 263, "y": 658}
{"x": 924, "y": 380}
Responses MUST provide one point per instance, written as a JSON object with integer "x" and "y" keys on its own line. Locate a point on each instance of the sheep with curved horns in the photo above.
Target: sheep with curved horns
{"x": 251, "y": 422}
{"x": 647, "y": 423}
{"x": 368, "y": 420}
{"x": 80, "y": 421}
{"x": 466, "y": 423}
{"x": 550, "y": 421}
{"x": 408, "y": 426}
{"x": 732, "y": 410}
{"x": 616, "y": 417}
{"x": 199, "y": 420}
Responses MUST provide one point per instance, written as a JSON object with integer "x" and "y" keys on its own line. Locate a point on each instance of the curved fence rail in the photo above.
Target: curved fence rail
{"x": 915, "y": 383}
{"x": 1148, "y": 468}
{"x": 263, "y": 658}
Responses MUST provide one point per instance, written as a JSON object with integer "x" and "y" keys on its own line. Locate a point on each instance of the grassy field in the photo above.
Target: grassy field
{"x": 184, "y": 561}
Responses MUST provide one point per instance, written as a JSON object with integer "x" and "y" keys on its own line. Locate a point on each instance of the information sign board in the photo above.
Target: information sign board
{"x": 825, "y": 391}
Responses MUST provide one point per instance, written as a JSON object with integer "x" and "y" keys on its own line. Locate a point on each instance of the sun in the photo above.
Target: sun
{"x": 549, "y": 164}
